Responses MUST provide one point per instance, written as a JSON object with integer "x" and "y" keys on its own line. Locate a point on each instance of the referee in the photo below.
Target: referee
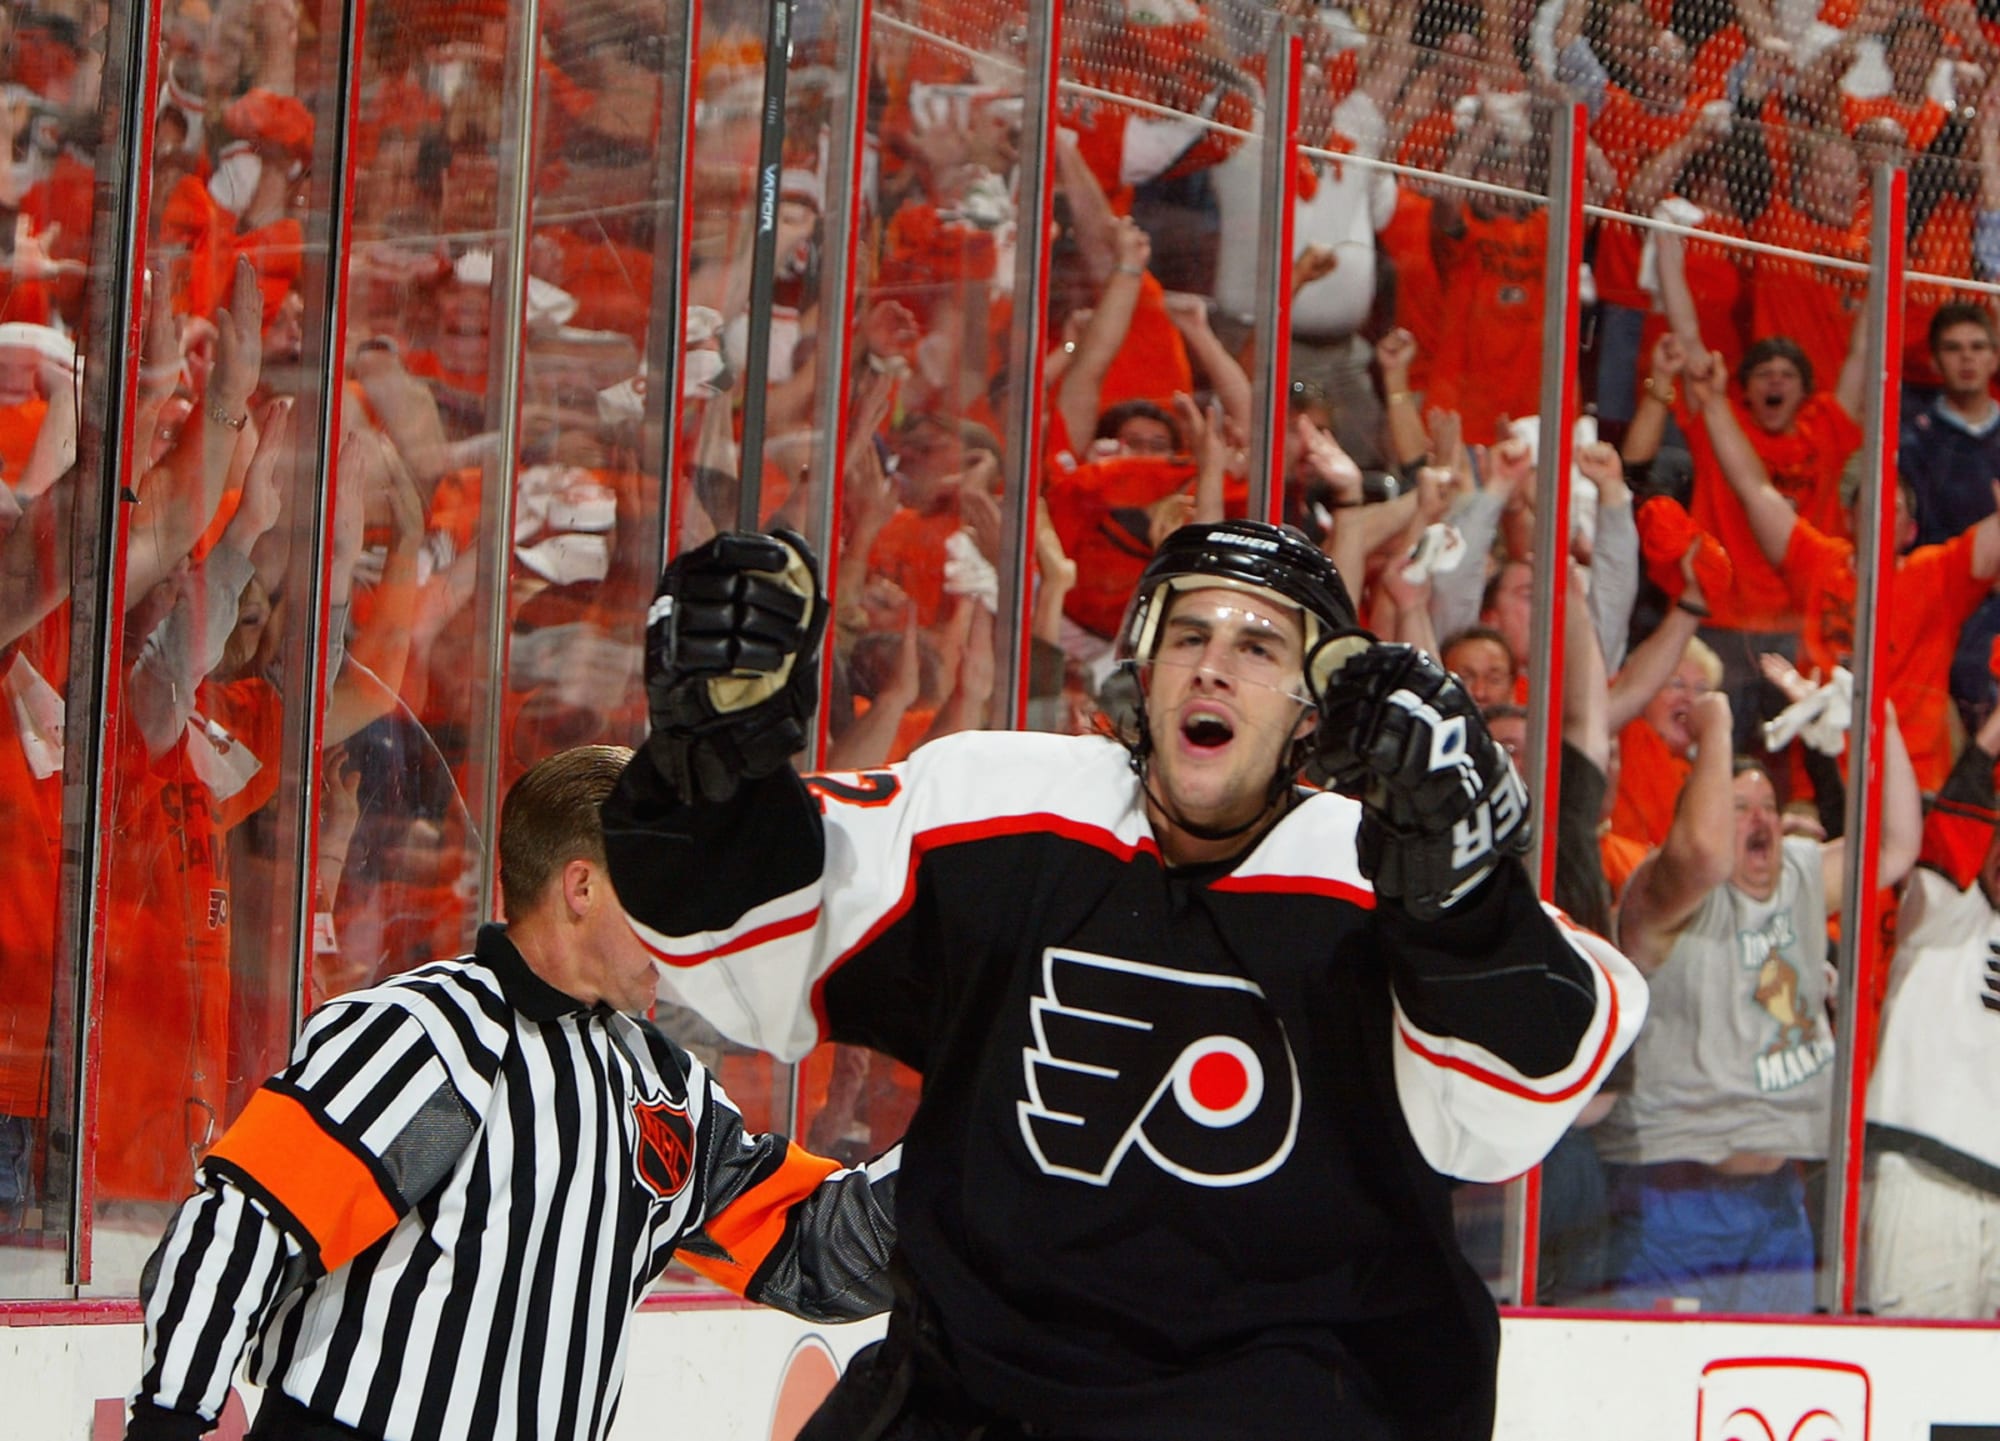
{"x": 436, "y": 1222}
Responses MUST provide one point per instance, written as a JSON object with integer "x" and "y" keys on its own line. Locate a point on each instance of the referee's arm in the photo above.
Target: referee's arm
{"x": 786, "y": 1228}
{"x": 289, "y": 1192}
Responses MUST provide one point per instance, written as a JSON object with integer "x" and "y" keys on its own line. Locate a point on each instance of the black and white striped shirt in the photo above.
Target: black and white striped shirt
{"x": 436, "y": 1221}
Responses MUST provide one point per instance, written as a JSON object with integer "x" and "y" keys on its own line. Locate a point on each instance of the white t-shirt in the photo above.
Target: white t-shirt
{"x": 1350, "y": 203}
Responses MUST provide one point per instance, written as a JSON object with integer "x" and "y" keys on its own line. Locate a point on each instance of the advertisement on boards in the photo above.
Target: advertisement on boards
{"x": 731, "y": 1371}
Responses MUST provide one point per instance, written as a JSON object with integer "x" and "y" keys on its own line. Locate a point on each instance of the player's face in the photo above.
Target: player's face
{"x": 1966, "y": 359}
{"x": 1759, "y": 836}
{"x": 1225, "y": 697}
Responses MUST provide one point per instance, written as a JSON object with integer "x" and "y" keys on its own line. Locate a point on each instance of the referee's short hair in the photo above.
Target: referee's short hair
{"x": 550, "y": 819}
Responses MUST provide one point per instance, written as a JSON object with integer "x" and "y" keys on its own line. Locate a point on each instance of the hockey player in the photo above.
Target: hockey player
{"x": 436, "y": 1221}
{"x": 1193, "y": 1086}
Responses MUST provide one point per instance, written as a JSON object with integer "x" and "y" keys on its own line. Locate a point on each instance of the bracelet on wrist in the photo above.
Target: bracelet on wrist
{"x": 1693, "y": 608}
{"x": 1397, "y": 397}
{"x": 222, "y": 417}
{"x": 1131, "y": 270}
{"x": 1662, "y": 393}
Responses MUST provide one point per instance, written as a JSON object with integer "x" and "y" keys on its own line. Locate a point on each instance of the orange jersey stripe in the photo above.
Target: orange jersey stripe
{"x": 752, "y": 1225}
{"x": 328, "y": 1189}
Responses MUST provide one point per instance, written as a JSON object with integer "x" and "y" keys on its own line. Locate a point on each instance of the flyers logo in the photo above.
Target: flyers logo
{"x": 1189, "y": 1068}
{"x": 664, "y": 1158}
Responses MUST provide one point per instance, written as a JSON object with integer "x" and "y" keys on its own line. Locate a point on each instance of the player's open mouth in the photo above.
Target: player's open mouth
{"x": 1207, "y": 731}
{"x": 1758, "y": 842}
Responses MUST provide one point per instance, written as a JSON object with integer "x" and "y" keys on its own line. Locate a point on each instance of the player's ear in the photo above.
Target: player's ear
{"x": 1308, "y": 723}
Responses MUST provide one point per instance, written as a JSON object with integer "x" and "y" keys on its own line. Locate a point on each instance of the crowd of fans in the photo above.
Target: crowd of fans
{"x": 1709, "y": 573}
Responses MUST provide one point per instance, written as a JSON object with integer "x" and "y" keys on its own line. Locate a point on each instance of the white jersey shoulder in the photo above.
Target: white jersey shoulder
{"x": 1001, "y": 776}
{"x": 1313, "y": 850}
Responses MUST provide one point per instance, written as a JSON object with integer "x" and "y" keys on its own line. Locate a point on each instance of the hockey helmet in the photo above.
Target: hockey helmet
{"x": 1275, "y": 561}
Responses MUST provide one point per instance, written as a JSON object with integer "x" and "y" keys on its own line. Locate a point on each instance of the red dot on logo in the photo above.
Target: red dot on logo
{"x": 1218, "y": 1081}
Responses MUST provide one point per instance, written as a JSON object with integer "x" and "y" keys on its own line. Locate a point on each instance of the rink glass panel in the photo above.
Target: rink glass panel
{"x": 65, "y": 124}
{"x": 200, "y": 777}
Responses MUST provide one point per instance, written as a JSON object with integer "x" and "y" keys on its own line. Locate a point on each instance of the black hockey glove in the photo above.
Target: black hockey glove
{"x": 1442, "y": 803}
{"x": 732, "y": 661}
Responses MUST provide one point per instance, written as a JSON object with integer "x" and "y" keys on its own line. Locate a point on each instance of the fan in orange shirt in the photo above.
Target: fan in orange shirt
{"x": 1934, "y": 590}
{"x": 1911, "y": 49}
{"x": 58, "y": 210}
{"x": 1158, "y": 54}
{"x": 1824, "y": 212}
{"x": 1110, "y": 513}
{"x": 936, "y": 457}
{"x": 198, "y": 756}
{"x": 1420, "y": 301}
{"x": 30, "y": 837}
{"x": 1700, "y": 175}
{"x": 1924, "y": 604}
{"x": 1803, "y": 437}
{"x": 1653, "y": 750}
{"x": 460, "y": 351}
{"x": 1491, "y": 254}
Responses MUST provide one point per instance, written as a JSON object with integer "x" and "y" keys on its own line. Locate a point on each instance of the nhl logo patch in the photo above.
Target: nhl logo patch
{"x": 664, "y": 1157}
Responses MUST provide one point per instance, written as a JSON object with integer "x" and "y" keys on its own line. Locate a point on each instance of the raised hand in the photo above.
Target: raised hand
{"x": 1442, "y": 803}
{"x": 239, "y": 344}
{"x": 732, "y": 669}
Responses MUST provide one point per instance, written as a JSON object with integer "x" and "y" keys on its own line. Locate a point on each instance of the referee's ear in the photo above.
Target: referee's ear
{"x": 582, "y": 887}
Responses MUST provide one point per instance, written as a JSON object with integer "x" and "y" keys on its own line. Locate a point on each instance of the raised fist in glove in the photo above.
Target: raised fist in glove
{"x": 1442, "y": 802}
{"x": 732, "y": 663}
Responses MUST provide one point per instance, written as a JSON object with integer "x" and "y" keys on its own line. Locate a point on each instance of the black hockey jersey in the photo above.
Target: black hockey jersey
{"x": 1180, "y": 1165}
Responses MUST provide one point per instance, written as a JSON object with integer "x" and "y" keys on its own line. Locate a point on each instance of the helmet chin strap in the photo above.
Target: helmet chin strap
{"x": 1199, "y": 832}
